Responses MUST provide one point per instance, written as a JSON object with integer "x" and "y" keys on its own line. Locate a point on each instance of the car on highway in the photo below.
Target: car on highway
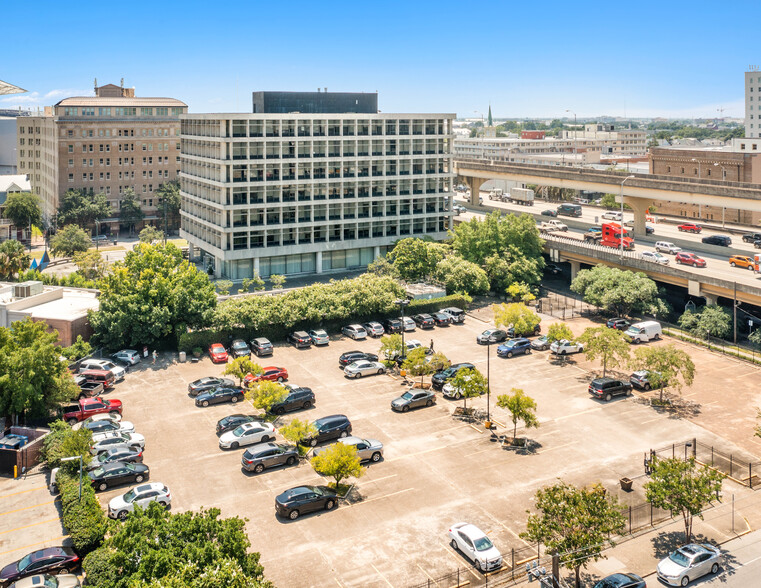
{"x": 300, "y": 500}
{"x": 458, "y": 209}
{"x": 356, "y": 332}
{"x": 53, "y": 560}
{"x": 328, "y": 428}
{"x": 208, "y": 383}
{"x": 648, "y": 229}
{"x": 299, "y": 339}
{"x": 549, "y": 212}
{"x": 117, "y": 473}
{"x": 221, "y": 394}
{"x": 319, "y": 337}
{"x": 440, "y": 378}
{"x": 424, "y": 321}
{"x": 720, "y": 240}
{"x": 441, "y": 319}
{"x": 298, "y": 398}
{"x": 686, "y": 258}
{"x": 262, "y": 347}
{"x": 751, "y": 237}
{"x": 474, "y": 544}
{"x": 105, "y": 425}
{"x": 374, "y": 329}
{"x": 363, "y": 367}
{"x": 611, "y": 215}
{"x": 367, "y": 449}
{"x": 233, "y": 421}
{"x": 239, "y": 348}
{"x": 689, "y": 563}
{"x": 142, "y": 496}
{"x": 268, "y": 455}
{"x": 655, "y": 257}
{"x": 352, "y": 356}
{"x": 270, "y": 373}
{"x": 413, "y": 399}
{"x": 218, "y": 353}
{"x": 621, "y": 580}
{"x": 565, "y": 347}
{"x": 247, "y": 434}
{"x": 514, "y": 347}
{"x": 393, "y": 325}
{"x": 103, "y": 441}
{"x": 742, "y": 261}
{"x": 607, "y": 388}
{"x": 617, "y": 323}
{"x": 689, "y": 228}
{"x": 541, "y": 344}
{"x": 491, "y": 336}
{"x": 122, "y": 454}
{"x": 667, "y": 247}
{"x": 128, "y": 356}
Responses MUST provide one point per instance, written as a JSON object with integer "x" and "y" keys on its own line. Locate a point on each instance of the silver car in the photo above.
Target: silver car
{"x": 689, "y": 563}
{"x": 356, "y": 332}
{"x": 103, "y": 441}
{"x": 364, "y": 368}
{"x": 374, "y": 329}
{"x": 319, "y": 337}
{"x": 367, "y": 449}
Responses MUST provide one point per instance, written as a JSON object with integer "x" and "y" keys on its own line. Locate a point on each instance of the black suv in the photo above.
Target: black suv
{"x": 440, "y": 378}
{"x": 328, "y": 428}
{"x": 299, "y": 339}
{"x": 239, "y": 348}
{"x": 392, "y": 325}
{"x": 607, "y": 388}
{"x": 722, "y": 240}
{"x": 261, "y": 346}
{"x": 352, "y": 356}
{"x": 751, "y": 237}
{"x": 297, "y": 399}
{"x": 424, "y": 321}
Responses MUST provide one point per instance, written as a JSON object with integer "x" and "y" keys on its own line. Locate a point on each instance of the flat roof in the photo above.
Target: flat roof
{"x": 74, "y": 304}
{"x": 118, "y": 101}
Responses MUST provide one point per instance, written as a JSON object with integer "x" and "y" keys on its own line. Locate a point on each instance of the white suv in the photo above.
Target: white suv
{"x": 667, "y": 247}
{"x": 102, "y": 364}
{"x": 655, "y": 257}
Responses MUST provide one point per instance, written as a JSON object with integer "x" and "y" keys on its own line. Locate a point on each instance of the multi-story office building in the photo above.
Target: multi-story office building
{"x": 292, "y": 193}
{"x": 106, "y": 143}
{"x": 753, "y": 103}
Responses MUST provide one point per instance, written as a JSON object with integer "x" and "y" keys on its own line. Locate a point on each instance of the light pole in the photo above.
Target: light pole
{"x": 724, "y": 179}
{"x": 621, "y": 234}
{"x": 483, "y": 133}
{"x": 97, "y": 233}
{"x": 575, "y": 153}
{"x": 78, "y": 457}
{"x": 488, "y": 384}
{"x": 402, "y": 304}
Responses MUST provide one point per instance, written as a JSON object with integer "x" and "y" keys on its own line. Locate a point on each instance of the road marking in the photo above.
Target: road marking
{"x": 658, "y": 418}
{"x": 479, "y": 451}
{"x": 30, "y": 525}
{"x": 26, "y": 507}
{"x": 21, "y": 492}
{"x": 381, "y": 575}
{"x": 383, "y": 478}
{"x": 557, "y": 447}
{"x": 56, "y": 540}
{"x": 454, "y": 553}
{"x": 380, "y": 497}
{"x": 427, "y": 574}
{"x": 568, "y": 416}
{"x": 337, "y": 582}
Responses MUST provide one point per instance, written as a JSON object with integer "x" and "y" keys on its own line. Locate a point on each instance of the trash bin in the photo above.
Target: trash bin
{"x": 182, "y": 357}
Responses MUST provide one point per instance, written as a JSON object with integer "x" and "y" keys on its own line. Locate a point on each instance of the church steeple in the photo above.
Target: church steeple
{"x": 488, "y": 119}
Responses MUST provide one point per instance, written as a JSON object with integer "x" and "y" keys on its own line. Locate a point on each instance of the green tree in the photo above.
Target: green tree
{"x": 682, "y": 488}
{"x": 612, "y": 201}
{"x": 23, "y": 209}
{"x": 755, "y": 337}
{"x": 13, "y": 259}
{"x": 90, "y": 264}
{"x": 256, "y": 282}
{"x": 77, "y": 207}
{"x": 416, "y": 364}
{"x": 520, "y": 292}
{"x": 520, "y": 407}
{"x": 504, "y": 271}
{"x": 63, "y": 441}
{"x": 76, "y": 351}
{"x": 438, "y": 362}
{"x": 240, "y": 367}
{"x": 264, "y": 394}
{"x": 669, "y": 367}
{"x": 558, "y": 332}
{"x": 277, "y": 281}
{"x": 460, "y": 276}
{"x": 381, "y": 266}
{"x": 224, "y": 287}
{"x": 150, "y": 235}
{"x": 154, "y": 547}
{"x": 468, "y": 383}
{"x": 391, "y": 346}
{"x": 70, "y": 240}
{"x": 618, "y": 290}
{"x": 575, "y": 523}
{"x": 507, "y": 236}
{"x": 296, "y": 430}
{"x": 130, "y": 212}
{"x": 712, "y": 320}
{"x": 169, "y": 202}
{"x": 609, "y": 345}
{"x": 338, "y": 461}
{"x": 516, "y": 315}
{"x": 150, "y": 296}
{"x": 415, "y": 259}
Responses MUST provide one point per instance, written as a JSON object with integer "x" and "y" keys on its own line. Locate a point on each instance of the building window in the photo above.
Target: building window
{"x": 146, "y": 111}
{"x": 682, "y": 170}
{"x": 668, "y": 169}
{"x": 71, "y": 149}
{"x": 162, "y": 111}
{"x": 71, "y": 177}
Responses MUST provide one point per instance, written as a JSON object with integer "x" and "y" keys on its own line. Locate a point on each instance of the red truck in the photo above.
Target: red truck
{"x": 87, "y": 407}
{"x": 611, "y": 237}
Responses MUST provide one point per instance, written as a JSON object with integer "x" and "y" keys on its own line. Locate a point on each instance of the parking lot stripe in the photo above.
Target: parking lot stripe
{"x": 568, "y": 416}
{"x": 337, "y": 582}
{"x": 30, "y": 525}
{"x": 26, "y": 507}
{"x": 383, "y": 478}
{"x": 557, "y": 447}
{"x": 427, "y": 574}
{"x": 450, "y": 551}
{"x": 379, "y": 497}
{"x": 651, "y": 420}
{"x": 55, "y": 540}
{"x": 381, "y": 575}
{"x": 22, "y": 492}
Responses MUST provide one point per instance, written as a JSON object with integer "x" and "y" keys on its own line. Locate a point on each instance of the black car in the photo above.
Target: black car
{"x": 239, "y": 348}
{"x": 116, "y": 473}
{"x": 553, "y": 269}
{"x": 298, "y": 398}
{"x": 440, "y": 378}
{"x": 122, "y": 454}
{"x": 222, "y": 394}
{"x": 621, "y": 581}
{"x": 352, "y": 356}
{"x": 751, "y": 237}
{"x": 51, "y": 560}
{"x": 262, "y": 347}
{"x": 233, "y": 421}
{"x": 209, "y": 383}
{"x": 328, "y": 428}
{"x": 512, "y": 334}
{"x": 303, "y": 499}
{"x": 268, "y": 455}
{"x": 392, "y": 325}
{"x": 618, "y": 323}
{"x": 549, "y": 212}
{"x": 441, "y": 319}
{"x": 299, "y": 339}
{"x": 721, "y": 240}
{"x": 424, "y": 321}
{"x": 607, "y": 388}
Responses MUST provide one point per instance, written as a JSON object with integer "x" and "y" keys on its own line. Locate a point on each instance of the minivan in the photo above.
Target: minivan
{"x": 102, "y": 364}
{"x": 568, "y": 209}
{"x": 104, "y": 377}
{"x": 644, "y": 331}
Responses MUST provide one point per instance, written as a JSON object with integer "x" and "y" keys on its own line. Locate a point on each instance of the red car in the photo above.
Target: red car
{"x": 690, "y": 259}
{"x": 218, "y": 353}
{"x": 87, "y": 407}
{"x": 690, "y": 228}
{"x": 271, "y": 373}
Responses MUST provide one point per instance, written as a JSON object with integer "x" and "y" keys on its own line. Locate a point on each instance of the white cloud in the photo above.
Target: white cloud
{"x": 37, "y": 99}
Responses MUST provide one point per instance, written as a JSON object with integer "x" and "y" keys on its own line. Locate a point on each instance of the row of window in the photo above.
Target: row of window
{"x": 122, "y": 111}
{"x": 122, "y": 132}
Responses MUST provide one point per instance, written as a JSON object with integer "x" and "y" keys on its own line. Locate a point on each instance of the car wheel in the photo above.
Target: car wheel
{"x": 344, "y": 434}
{"x": 205, "y": 403}
{"x": 380, "y": 371}
{"x": 732, "y": 263}
{"x": 267, "y": 439}
{"x": 293, "y": 515}
{"x": 330, "y": 504}
{"x": 479, "y": 566}
{"x": 234, "y": 445}
{"x": 102, "y": 486}
{"x": 453, "y": 543}
{"x": 72, "y": 422}
{"x": 405, "y": 408}
{"x": 234, "y": 399}
{"x": 714, "y": 568}
{"x": 280, "y": 379}
{"x": 635, "y": 341}
{"x": 280, "y": 410}
{"x": 122, "y": 515}
{"x": 376, "y": 457}
{"x": 258, "y": 469}
{"x": 563, "y": 352}
{"x": 656, "y": 337}
{"x": 429, "y": 402}
{"x": 457, "y": 396}
{"x": 608, "y": 397}
{"x": 65, "y": 570}
{"x": 509, "y": 354}
{"x": 164, "y": 504}
{"x": 685, "y": 581}
{"x": 307, "y": 404}
{"x": 83, "y": 395}
{"x": 646, "y": 387}
{"x": 313, "y": 443}
{"x": 528, "y": 350}
{"x": 290, "y": 461}
{"x": 628, "y": 391}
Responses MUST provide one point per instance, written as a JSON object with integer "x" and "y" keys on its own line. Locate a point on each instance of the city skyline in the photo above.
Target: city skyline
{"x": 604, "y": 61}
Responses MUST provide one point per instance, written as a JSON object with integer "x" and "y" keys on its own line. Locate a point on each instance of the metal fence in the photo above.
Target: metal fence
{"x": 563, "y": 306}
{"x": 742, "y": 350}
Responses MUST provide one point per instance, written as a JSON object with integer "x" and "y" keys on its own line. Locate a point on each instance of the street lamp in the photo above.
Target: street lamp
{"x": 575, "y": 153}
{"x": 97, "y": 233}
{"x": 402, "y": 303}
{"x": 621, "y": 234}
{"x": 488, "y": 383}
{"x": 78, "y": 457}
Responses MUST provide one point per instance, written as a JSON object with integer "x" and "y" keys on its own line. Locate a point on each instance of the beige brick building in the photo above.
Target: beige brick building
{"x": 106, "y": 144}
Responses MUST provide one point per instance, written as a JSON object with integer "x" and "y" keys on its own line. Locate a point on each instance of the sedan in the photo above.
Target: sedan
{"x": 441, "y": 319}
{"x": 142, "y": 496}
{"x": 618, "y": 323}
{"x": 374, "y": 329}
{"x": 106, "y": 425}
{"x": 117, "y": 473}
{"x": 268, "y": 455}
{"x": 689, "y": 259}
{"x": 413, "y": 399}
{"x": 247, "y": 434}
{"x": 364, "y": 368}
{"x": 218, "y": 353}
{"x": 54, "y": 560}
{"x": 298, "y": 398}
{"x": 299, "y": 339}
{"x": 367, "y": 449}
{"x": 621, "y": 581}
{"x": 549, "y": 212}
{"x": 300, "y": 500}
{"x": 564, "y": 347}
{"x": 541, "y": 344}
{"x": 352, "y": 356}
{"x": 424, "y": 321}
{"x": 222, "y": 394}
{"x": 655, "y": 257}
{"x": 234, "y": 421}
{"x": 209, "y": 383}
{"x": 473, "y": 543}
{"x": 104, "y": 441}
{"x": 122, "y": 454}
{"x": 690, "y": 228}
{"x": 689, "y": 563}
{"x": 491, "y": 336}
{"x": 356, "y": 332}
{"x": 270, "y": 373}
{"x": 514, "y": 347}
{"x": 48, "y": 581}
{"x": 318, "y": 337}
{"x": 239, "y": 348}
{"x": 129, "y": 356}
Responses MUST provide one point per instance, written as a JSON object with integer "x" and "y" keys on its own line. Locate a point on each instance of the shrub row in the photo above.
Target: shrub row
{"x": 84, "y": 520}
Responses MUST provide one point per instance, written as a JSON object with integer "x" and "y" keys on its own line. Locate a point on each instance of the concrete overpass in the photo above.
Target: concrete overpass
{"x": 639, "y": 191}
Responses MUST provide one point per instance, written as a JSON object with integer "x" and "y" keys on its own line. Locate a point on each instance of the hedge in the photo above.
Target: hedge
{"x": 84, "y": 520}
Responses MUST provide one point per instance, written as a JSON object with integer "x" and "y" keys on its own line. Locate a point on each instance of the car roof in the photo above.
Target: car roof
{"x": 148, "y": 487}
{"x": 261, "y": 340}
{"x": 331, "y": 417}
{"x": 470, "y": 530}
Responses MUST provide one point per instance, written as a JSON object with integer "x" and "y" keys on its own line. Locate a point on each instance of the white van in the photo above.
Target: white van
{"x": 644, "y": 331}
{"x": 667, "y": 247}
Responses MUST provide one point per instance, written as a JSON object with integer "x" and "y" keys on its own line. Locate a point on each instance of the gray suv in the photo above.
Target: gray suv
{"x": 367, "y": 449}
{"x": 268, "y": 455}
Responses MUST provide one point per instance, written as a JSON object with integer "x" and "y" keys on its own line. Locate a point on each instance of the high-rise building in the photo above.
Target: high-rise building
{"x": 753, "y": 103}
{"x": 105, "y": 143}
{"x": 292, "y": 193}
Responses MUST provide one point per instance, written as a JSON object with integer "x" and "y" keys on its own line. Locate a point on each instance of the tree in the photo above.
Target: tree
{"x": 520, "y": 292}
{"x": 618, "y": 290}
{"x": 169, "y": 201}
{"x": 438, "y": 362}
{"x": 70, "y": 240}
{"x": 711, "y": 320}
{"x": 460, "y": 276}
{"x": 63, "y": 441}
{"x": 391, "y": 346}
{"x": 558, "y": 332}
{"x": 297, "y": 430}
{"x": 130, "y": 212}
{"x": 381, "y": 266}
{"x": 415, "y": 259}
{"x": 681, "y": 487}
{"x": 224, "y": 287}
{"x": 154, "y": 547}
{"x": 521, "y": 408}
{"x": 277, "y": 281}
{"x": 516, "y": 315}
{"x": 79, "y": 349}
{"x": 668, "y": 367}
{"x": 151, "y": 296}
{"x": 338, "y": 461}
{"x": 264, "y": 394}
{"x": 575, "y": 523}
{"x": 509, "y": 236}
{"x": 150, "y": 235}
{"x": 610, "y": 345}
{"x": 416, "y": 363}
{"x": 611, "y": 201}
{"x": 23, "y": 209}
{"x": 77, "y": 207}
{"x": 13, "y": 259}
{"x": 469, "y": 383}
{"x": 256, "y": 282}
{"x": 240, "y": 367}
{"x": 90, "y": 264}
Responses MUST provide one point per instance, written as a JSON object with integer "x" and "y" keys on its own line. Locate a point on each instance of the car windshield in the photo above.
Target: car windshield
{"x": 25, "y": 561}
{"x": 680, "y": 559}
{"x": 239, "y": 344}
{"x": 238, "y": 431}
{"x": 407, "y": 395}
{"x": 482, "y": 544}
{"x": 320, "y": 334}
{"x": 130, "y": 496}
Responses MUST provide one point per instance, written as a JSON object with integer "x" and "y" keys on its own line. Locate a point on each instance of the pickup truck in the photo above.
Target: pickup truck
{"x": 87, "y": 407}
{"x": 552, "y": 225}
{"x": 88, "y": 389}
{"x": 593, "y": 236}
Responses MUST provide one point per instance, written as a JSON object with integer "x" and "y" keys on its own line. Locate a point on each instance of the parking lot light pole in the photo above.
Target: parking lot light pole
{"x": 402, "y": 303}
{"x": 621, "y": 235}
{"x": 78, "y": 457}
{"x": 488, "y": 385}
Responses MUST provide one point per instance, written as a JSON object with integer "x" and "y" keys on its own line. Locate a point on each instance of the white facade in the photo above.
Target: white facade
{"x": 306, "y": 193}
{"x": 753, "y": 104}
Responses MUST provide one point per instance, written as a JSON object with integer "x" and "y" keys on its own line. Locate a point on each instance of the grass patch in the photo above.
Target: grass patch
{"x": 341, "y": 489}
{"x": 110, "y": 248}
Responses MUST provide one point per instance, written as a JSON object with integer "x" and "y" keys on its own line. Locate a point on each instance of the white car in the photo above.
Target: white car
{"x": 103, "y": 441}
{"x": 103, "y": 364}
{"x": 475, "y": 545}
{"x": 129, "y": 356}
{"x": 564, "y": 347}
{"x": 689, "y": 563}
{"x": 121, "y": 506}
{"x": 655, "y": 257}
{"x": 408, "y": 323}
{"x": 356, "y": 332}
{"x": 247, "y": 434}
{"x": 611, "y": 215}
{"x": 450, "y": 391}
{"x": 367, "y": 449}
{"x": 374, "y": 329}
{"x": 364, "y": 368}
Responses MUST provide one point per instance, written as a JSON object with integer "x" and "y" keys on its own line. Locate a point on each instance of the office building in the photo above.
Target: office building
{"x": 753, "y": 103}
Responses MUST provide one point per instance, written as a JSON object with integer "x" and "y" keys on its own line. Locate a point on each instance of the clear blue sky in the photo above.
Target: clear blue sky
{"x": 647, "y": 58}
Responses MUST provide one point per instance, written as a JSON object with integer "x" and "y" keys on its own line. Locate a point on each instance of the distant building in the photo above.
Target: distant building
{"x": 533, "y": 135}
{"x": 753, "y": 103}
{"x": 8, "y": 149}
{"x": 315, "y": 102}
{"x": 10, "y": 184}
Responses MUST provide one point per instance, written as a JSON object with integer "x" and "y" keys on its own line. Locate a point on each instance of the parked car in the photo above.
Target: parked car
{"x": 121, "y": 454}
{"x": 408, "y": 323}
{"x": 356, "y": 332}
{"x": 450, "y": 391}
{"x": 655, "y": 257}
{"x": 541, "y": 344}
{"x": 142, "y": 496}
{"x": 667, "y": 247}
{"x": 641, "y": 379}
{"x": 440, "y": 378}
{"x": 607, "y": 388}
{"x": 742, "y": 261}
{"x": 721, "y": 240}
{"x": 491, "y": 336}
{"x": 319, "y": 337}
{"x": 53, "y": 560}
{"x": 298, "y": 398}
{"x": 565, "y": 347}
{"x": 374, "y": 329}
{"x": 103, "y": 426}
{"x": 393, "y": 325}
{"x": 87, "y": 407}
{"x": 364, "y": 368}
{"x": 457, "y": 314}
{"x": 644, "y": 331}
{"x": 353, "y": 356}
{"x": 514, "y": 347}
{"x": 218, "y": 353}
{"x": 117, "y": 473}
{"x": 300, "y": 500}
{"x": 299, "y": 339}
{"x": 689, "y": 259}
{"x": 424, "y": 321}
{"x": 88, "y": 389}
{"x": 327, "y": 429}
{"x": 247, "y": 434}
{"x": 270, "y": 373}
{"x": 367, "y": 449}
{"x": 47, "y": 581}
{"x": 473, "y": 543}
{"x": 221, "y": 394}
{"x": 268, "y": 455}
{"x": 689, "y": 563}
{"x": 413, "y": 399}
{"x": 549, "y": 212}
{"x": 512, "y": 334}
{"x": 621, "y": 580}
{"x": 208, "y": 383}
{"x": 553, "y": 269}
{"x": 611, "y": 215}
{"x": 689, "y": 228}
{"x": 441, "y": 319}
{"x": 93, "y": 378}
{"x": 105, "y": 365}
{"x": 104, "y": 441}
{"x": 233, "y": 421}
{"x": 617, "y": 323}
{"x": 261, "y": 347}
{"x": 129, "y": 356}
{"x": 239, "y": 348}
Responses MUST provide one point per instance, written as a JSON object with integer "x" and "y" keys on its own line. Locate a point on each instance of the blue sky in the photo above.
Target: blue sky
{"x": 667, "y": 58}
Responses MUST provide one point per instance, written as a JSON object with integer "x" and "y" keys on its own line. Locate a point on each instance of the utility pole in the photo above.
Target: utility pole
{"x": 734, "y": 311}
